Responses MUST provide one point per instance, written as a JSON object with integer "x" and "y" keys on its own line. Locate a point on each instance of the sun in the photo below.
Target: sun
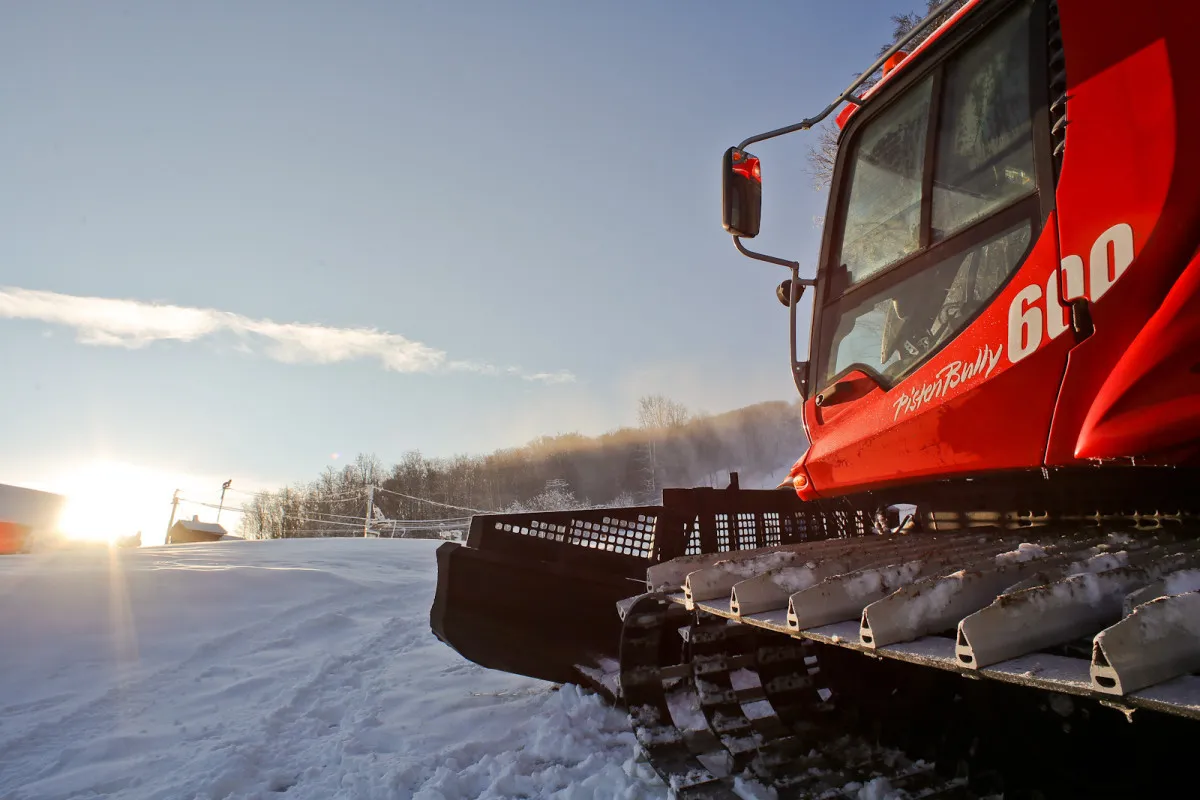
{"x": 108, "y": 500}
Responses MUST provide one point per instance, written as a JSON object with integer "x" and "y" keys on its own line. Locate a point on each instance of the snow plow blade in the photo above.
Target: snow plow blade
{"x": 536, "y": 594}
{"x": 520, "y": 577}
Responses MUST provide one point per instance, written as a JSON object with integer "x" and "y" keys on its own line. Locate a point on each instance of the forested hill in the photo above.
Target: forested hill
{"x": 669, "y": 448}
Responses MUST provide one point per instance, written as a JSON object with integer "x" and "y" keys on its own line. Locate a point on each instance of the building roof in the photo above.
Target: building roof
{"x": 202, "y": 527}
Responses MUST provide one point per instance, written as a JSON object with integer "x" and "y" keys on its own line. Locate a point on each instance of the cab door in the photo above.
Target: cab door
{"x": 943, "y": 241}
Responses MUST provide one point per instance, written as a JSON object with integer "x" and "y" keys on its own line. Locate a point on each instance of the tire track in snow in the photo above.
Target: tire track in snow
{"x": 306, "y": 733}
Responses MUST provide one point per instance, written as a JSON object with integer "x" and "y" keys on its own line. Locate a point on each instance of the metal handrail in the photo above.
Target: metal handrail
{"x": 848, "y": 95}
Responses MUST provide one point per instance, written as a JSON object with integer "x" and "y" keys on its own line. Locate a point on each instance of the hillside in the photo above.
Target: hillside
{"x": 623, "y": 467}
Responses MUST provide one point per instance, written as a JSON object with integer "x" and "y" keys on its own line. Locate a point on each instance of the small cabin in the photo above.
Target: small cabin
{"x": 194, "y": 530}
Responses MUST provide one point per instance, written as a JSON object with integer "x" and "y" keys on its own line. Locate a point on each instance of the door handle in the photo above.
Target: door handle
{"x": 840, "y": 392}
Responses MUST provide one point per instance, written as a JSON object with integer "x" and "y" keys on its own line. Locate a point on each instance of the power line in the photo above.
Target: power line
{"x": 359, "y": 518}
{"x": 211, "y": 505}
{"x": 432, "y": 502}
{"x": 331, "y": 522}
{"x": 319, "y": 494}
{"x": 335, "y": 519}
{"x": 311, "y": 533}
{"x": 252, "y": 493}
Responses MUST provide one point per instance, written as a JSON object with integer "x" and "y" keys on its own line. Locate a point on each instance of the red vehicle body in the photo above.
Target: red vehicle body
{"x": 1112, "y": 204}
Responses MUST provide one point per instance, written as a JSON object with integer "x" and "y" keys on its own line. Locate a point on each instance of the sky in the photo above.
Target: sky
{"x": 248, "y": 241}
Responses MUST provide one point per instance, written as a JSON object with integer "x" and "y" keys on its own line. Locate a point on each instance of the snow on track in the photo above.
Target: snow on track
{"x": 294, "y": 669}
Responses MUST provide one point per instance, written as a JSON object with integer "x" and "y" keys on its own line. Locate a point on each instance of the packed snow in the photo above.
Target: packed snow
{"x": 1093, "y": 589}
{"x": 1024, "y": 552}
{"x": 1185, "y": 580}
{"x": 931, "y": 597}
{"x": 871, "y": 582}
{"x": 1100, "y": 563}
{"x": 303, "y": 668}
{"x": 1169, "y": 615}
{"x": 756, "y": 565}
{"x": 795, "y": 579}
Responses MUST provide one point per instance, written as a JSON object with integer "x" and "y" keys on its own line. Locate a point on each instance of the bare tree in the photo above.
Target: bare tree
{"x": 903, "y": 23}
{"x": 823, "y": 154}
{"x": 656, "y": 412}
{"x": 658, "y": 416}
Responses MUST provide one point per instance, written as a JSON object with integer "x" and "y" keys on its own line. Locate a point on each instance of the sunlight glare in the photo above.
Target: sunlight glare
{"x": 108, "y": 500}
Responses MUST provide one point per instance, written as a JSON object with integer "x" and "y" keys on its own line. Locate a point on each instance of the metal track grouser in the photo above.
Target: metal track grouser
{"x": 983, "y": 576}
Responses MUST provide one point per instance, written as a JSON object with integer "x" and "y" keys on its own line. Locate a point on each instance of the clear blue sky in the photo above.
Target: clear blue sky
{"x": 526, "y": 185}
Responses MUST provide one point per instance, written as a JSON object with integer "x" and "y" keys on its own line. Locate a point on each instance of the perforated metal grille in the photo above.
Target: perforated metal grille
{"x": 631, "y": 537}
{"x": 747, "y": 532}
{"x": 772, "y": 530}
{"x": 848, "y": 523}
{"x": 537, "y": 529}
{"x": 722, "y": 524}
{"x": 795, "y": 527}
{"x": 692, "y": 537}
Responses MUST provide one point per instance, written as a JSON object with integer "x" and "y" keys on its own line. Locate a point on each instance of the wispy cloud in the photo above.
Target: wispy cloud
{"x": 134, "y": 324}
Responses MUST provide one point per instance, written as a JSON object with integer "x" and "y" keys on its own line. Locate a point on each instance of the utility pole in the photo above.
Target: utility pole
{"x": 224, "y": 488}
{"x": 370, "y": 510}
{"x": 171, "y": 524}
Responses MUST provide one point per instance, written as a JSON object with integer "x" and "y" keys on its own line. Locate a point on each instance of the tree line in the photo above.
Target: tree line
{"x": 823, "y": 154}
{"x": 630, "y": 466}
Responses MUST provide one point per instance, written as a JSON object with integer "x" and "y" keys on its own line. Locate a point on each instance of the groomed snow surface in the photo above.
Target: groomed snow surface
{"x": 297, "y": 669}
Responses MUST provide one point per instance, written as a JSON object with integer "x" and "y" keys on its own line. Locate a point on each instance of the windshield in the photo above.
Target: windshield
{"x": 890, "y": 332}
{"x": 981, "y": 164}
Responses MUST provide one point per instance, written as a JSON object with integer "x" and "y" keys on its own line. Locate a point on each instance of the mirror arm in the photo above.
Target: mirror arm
{"x": 792, "y": 265}
{"x": 848, "y": 96}
{"x": 799, "y": 368}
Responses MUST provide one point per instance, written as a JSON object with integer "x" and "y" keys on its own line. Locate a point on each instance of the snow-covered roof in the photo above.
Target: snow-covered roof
{"x": 202, "y": 527}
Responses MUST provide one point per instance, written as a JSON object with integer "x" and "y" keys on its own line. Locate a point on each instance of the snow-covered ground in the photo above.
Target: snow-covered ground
{"x": 297, "y": 669}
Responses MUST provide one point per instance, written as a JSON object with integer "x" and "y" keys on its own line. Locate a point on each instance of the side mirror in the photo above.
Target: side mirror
{"x": 741, "y": 193}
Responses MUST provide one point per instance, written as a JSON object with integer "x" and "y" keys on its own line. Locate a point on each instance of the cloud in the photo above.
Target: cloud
{"x": 134, "y": 324}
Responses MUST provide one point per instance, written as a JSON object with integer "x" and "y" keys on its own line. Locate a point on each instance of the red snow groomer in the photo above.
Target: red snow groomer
{"x": 990, "y": 564}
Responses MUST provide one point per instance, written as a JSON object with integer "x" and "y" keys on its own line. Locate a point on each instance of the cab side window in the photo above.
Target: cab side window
{"x": 985, "y": 142}
{"x": 925, "y": 246}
